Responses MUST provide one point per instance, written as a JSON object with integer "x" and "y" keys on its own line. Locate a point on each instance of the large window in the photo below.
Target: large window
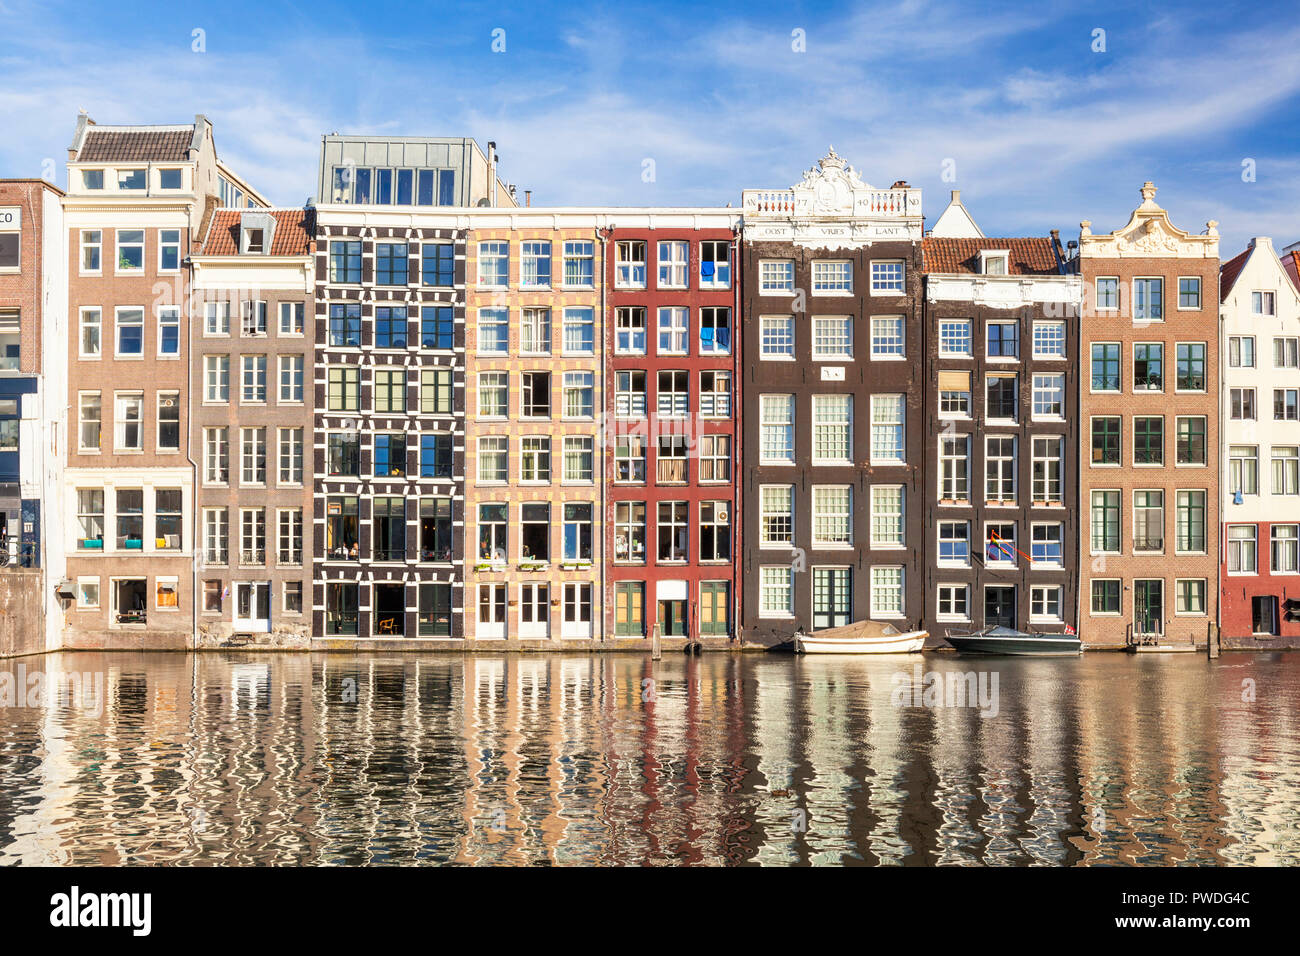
{"x": 577, "y": 531}
{"x": 715, "y": 458}
{"x": 832, "y": 518}
{"x": 887, "y": 277}
{"x": 1243, "y": 469}
{"x": 887, "y": 337}
{"x": 1148, "y": 440}
{"x": 1105, "y": 519}
{"x": 629, "y": 531}
{"x": 1000, "y": 469}
{"x": 493, "y": 331}
{"x": 832, "y": 429}
{"x": 345, "y": 326}
{"x": 1241, "y": 549}
{"x": 438, "y": 263}
{"x": 390, "y": 391}
{"x": 1191, "y": 440}
{"x": 1190, "y": 522}
{"x": 129, "y": 424}
{"x": 1285, "y": 545}
{"x": 1106, "y": 440}
{"x": 1148, "y": 367}
{"x": 954, "y": 468}
{"x": 629, "y": 264}
{"x": 494, "y": 264}
{"x": 672, "y": 264}
{"x": 1286, "y": 470}
{"x": 390, "y": 327}
{"x": 629, "y": 337}
{"x": 673, "y": 333}
{"x": 1048, "y": 455}
{"x": 776, "y": 337}
{"x": 129, "y": 324}
{"x": 775, "y": 592}
{"x": 887, "y": 592}
{"x": 715, "y": 531}
{"x": 1105, "y": 367}
{"x": 832, "y": 276}
{"x": 887, "y": 528}
{"x": 1148, "y": 521}
{"x": 1191, "y": 367}
{"x": 832, "y": 337}
{"x": 535, "y": 332}
{"x": 776, "y": 428}
{"x": 1148, "y": 299}
{"x": 776, "y": 516}
{"x": 579, "y": 258}
{"x": 345, "y": 261}
{"x": 535, "y": 264}
{"x": 886, "y": 428}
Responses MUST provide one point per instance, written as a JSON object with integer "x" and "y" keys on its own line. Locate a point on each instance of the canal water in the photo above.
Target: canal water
{"x": 233, "y": 758}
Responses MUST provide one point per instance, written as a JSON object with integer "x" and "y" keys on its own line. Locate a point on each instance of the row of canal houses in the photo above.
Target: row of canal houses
{"x": 415, "y": 412}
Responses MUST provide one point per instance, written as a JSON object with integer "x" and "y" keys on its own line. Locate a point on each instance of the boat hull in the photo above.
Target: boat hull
{"x": 1019, "y": 646}
{"x": 908, "y": 643}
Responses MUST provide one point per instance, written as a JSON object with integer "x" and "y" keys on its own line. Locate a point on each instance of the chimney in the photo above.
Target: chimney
{"x": 492, "y": 172}
{"x": 528, "y": 197}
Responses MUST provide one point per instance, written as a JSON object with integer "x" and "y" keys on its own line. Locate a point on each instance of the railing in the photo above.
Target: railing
{"x": 871, "y": 202}
{"x": 16, "y": 554}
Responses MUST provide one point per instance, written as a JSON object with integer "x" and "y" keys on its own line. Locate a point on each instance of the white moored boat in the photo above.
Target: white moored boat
{"x": 861, "y": 637}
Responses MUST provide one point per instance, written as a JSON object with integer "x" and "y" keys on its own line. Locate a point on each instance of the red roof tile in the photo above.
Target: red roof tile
{"x": 1291, "y": 264}
{"x": 1229, "y": 271}
{"x": 1028, "y": 255}
{"x": 292, "y": 237}
{"x": 136, "y": 145}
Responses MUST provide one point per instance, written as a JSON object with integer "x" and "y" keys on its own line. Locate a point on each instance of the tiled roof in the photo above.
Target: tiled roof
{"x": 1028, "y": 256}
{"x": 1291, "y": 265}
{"x": 293, "y": 232}
{"x": 136, "y": 145}
{"x": 1229, "y": 271}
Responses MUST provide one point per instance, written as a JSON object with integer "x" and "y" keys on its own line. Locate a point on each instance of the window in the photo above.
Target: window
{"x": 435, "y": 529}
{"x": 832, "y": 429}
{"x": 1046, "y": 545}
{"x": 1105, "y": 367}
{"x": 629, "y": 458}
{"x": 1148, "y": 521}
{"x": 252, "y": 536}
{"x": 886, "y": 428}
{"x": 494, "y": 264}
{"x": 130, "y": 250}
{"x": 169, "y": 250}
{"x": 535, "y": 264}
{"x": 672, "y": 461}
{"x": 579, "y": 459}
{"x": 535, "y": 459}
{"x": 1191, "y": 367}
{"x": 1241, "y": 549}
{"x": 1191, "y": 440}
{"x": 580, "y": 394}
{"x": 715, "y": 458}
{"x": 1189, "y": 596}
{"x": 1003, "y": 397}
{"x": 216, "y": 536}
{"x": 1262, "y": 303}
{"x": 776, "y": 516}
{"x": 436, "y": 391}
{"x": 832, "y": 597}
{"x": 1105, "y": 519}
{"x": 1243, "y": 469}
{"x": 90, "y": 418}
{"x": 629, "y": 394}
{"x": 1189, "y": 292}
{"x": 293, "y": 597}
{"x": 832, "y": 521}
{"x": 87, "y": 592}
{"x": 1242, "y": 404}
{"x": 389, "y": 522}
{"x": 291, "y": 318}
{"x": 253, "y": 318}
{"x": 715, "y": 531}
{"x": 1105, "y": 596}
{"x": 1241, "y": 351}
{"x": 993, "y": 263}
{"x": 673, "y": 323}
{"x": 1049, "y": 396}
{"x": 955, "y": 337}
{"x": 776, "y": 277}
{"x": 343, "y": 392}
{"x": 629, "y": 264}
{"x": 887, "y": 516}
{"x": 90, "y": 518}
{"x": 776, "y": 429}
{"x": 775, "y": 592}
{"x": 1148, "y": 441}
{"x": 629, "y": 531}
{"x": 1286, "y": 352}
{"x": 629, "y": 331}
{"x": 169, "y": 421}
{"x": 390, "y": 327}
{"x": 216, "y": 377}
{"x": 343, "y": 453}
{"x": 1148, "y": 367}
{"x": 91, "y": 334}
{"x": 579, "y": 331}
{"x": 1049, "y": 340}
{"x": 129, "y": 428}
{"x": 289, "y": 536}
{"x": 130, "y": 332}
{"x": 345, "y": 326}
{"x": 493, "y": 331}
{"x": 438, "y": 263}
{"x": 672, "y": 265}
{"x": 341, "y": 528}
{"x": 345, "y": 261}
{"x": 252, "y": 455}
{"x": 715, "y": 331}
{"x": 252, "y": 380}
{"x": 492, "y": 532}
{"x": 1285, "y": 548}
{"x": 1286, "y": 470}
{"x": 577, "y": 610}
{"x": 254, "y": 240}
{"x": 1048, "y": 454}
{"x": 887, "y": 278}
{"x": 437, "y": 327}
{"x": 954, "y": 602}
{"x": 290, "y": 442}
{"x": 715, "y": 264}
{"x": 577, "y": 531}
{"x": 887, "y": 592}
{"x": 535, "y": 531}
{"x": 91, "y": 246}
{"x": 390, "y": 391}
{"x": 715, "y": 394}
{"x": 493, "y": 392}
{"x": 832, "y": 277}
{"x": 832, "y": 337}
{"x": 1148, "y": 300}
{"x": 954, "y": 543}
{"x": 131, "y": 179}
{"x": 1286, "y": 404}
{"x": 216, "y": 318}
{"x": 342, "y": 603}
{"x": 579, "y": 259}
{"x": 1045, "y": 603}
{"x": 1189, "y": 523}
{"x": 887, "y": 337}
{"x": 954, "y": 468}
{"x": 1003, "y": 340}
{"x": 291, "y": 371}
{"x": 435, "y": 455}
{"x": 492, "y": 458}
{"x": 216, "y": 455}
{"x": 535, "y": 332}
{"x": 1000, "y": 469}
{"x": 629, "y": 609}
{"x": 776, "y": 337}
{"x": 390, "y": 455}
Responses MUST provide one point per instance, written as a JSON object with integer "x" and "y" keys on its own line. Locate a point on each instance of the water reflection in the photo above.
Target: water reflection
{"x": 568, "y": 759}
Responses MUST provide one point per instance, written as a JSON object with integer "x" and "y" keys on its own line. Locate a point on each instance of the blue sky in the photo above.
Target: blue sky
{"x": 1040, "y": 130}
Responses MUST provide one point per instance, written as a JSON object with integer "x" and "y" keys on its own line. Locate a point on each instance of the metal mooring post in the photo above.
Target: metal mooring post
{"x": 656, "y": 651}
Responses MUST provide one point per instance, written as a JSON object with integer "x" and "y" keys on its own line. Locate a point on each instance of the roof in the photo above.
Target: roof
{"x": 139, "y": 145}
{"x": 1229, "y": 271}
{"x": 1291, "y": 265}
{"x": 292, "y": 235}
{"x": 1028, "y": 256}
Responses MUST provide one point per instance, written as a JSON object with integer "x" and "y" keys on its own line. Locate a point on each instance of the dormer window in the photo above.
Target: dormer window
{"x": 993, "y": 262}
{"x": 92, "y": 178}
{"x": 130, "y": 179}
{"x": 169, "y": 179}
{"x": 256, "y": 233}
{"x": 254, "y": 240}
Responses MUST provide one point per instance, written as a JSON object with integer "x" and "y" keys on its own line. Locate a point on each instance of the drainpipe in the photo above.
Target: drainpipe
{"x": 492, "y": 172}
{"x": 601, "y": 235}
{"x": 737, "y": 416}
{"x": 194, "y": 466}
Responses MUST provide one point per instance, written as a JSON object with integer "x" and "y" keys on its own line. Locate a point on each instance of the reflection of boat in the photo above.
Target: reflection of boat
{"x": 860, "y": 637}
{"x": 1006, "y": 640}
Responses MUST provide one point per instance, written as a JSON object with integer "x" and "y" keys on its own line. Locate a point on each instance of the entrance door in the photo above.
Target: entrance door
{"x": 1263, "y": 614}
{"x": 491, "y": 611}
{"x": 713, "y": 609}
{"x": 252, "y": 606}
{"x": 672, "y": 618}
{"x": 534, "y": 610}
{"x": 1000, "y": 607}
{"x": 1149, "y": 607}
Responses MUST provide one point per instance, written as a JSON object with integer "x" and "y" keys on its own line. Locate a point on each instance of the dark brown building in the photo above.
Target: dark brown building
{"x": 832, "y": 428}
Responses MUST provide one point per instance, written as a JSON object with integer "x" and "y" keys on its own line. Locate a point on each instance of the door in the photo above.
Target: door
{"x": 1263, "y": 614}
{"x": 672, "y": 618}
{"x": 1149, "y": 607}
{"x": 713, "y": 609}
{"x": 491, "y": 611}
{"x": 252, "y": 606}
{"x": 534, "y": 610}
{"x": 1000, "y": 607}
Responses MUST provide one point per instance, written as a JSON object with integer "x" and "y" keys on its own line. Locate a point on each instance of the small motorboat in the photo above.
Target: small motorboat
{"x": 1006, "y": 640}
{"x": 860, "y": 637}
